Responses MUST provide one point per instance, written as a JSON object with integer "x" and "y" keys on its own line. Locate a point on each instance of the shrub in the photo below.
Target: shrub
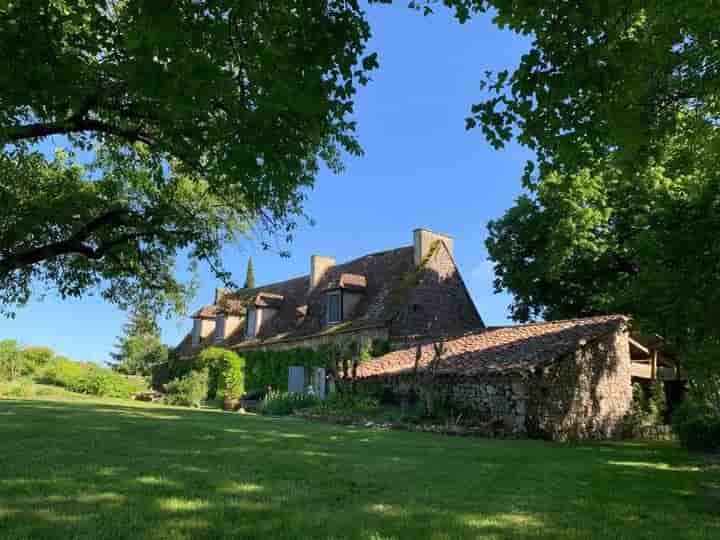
{"x": 697, "y": 425}
{"x": 284, "y": 403}
{"x": 188, "y": 391}
{"x": 16, "y": 388}
{"x": 68, "y": 374}
{"x": 347, "y": 404}
{"x": 36, "y": 359}
{"x": 106, "y": 383}
{"x": 180, "y": 367}
{"x": 11, "y": 360}
{"x": 218, "y": 362}
{"x": 657, "y": 402}
{"x": 86, "y": 378}
{"x": 159, "y": 375}
{"x": 231, "y": 380}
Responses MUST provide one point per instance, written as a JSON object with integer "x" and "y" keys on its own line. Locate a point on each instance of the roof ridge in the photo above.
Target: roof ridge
{"x": 424, "y": 339}
{"x": 560, "y": 321}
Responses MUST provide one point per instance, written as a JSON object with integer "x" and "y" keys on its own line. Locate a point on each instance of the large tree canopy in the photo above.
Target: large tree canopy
{"x": 600, "y": 77}
{"x": 620, "y": 101}
{"x": 182, "y": 122}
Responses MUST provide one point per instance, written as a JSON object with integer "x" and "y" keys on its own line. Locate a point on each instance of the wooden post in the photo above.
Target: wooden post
{"x": 653, "y": 365}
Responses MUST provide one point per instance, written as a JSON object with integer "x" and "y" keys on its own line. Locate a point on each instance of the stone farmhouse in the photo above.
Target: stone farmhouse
{"x": 550, "y": 380}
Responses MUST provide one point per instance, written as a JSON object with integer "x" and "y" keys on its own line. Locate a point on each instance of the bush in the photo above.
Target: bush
{"x": 11, "y": 360}
{"x": 17, "y": 388}
{"x": 159, "y": 375}
{"x": 697, "y": 425}
{"x": 188, "y": 391}
{"x": 87, "y": 379}
{"x": 36, "y": 359}
{"x": 231, "y": 379}
{"x": 224, "y": 367}
{"x": 284, "y": 403}
{"x": 347, "y": 404}
{"x": 68, "y": 374}
{"x": 106, "y": 383}
{"x": 657, "y": 402}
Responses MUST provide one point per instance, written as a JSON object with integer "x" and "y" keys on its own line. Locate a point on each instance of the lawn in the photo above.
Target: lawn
{"x": 95, "y": 470}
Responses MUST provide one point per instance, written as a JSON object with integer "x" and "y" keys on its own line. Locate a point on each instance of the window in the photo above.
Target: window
{"x": 250, "y": 323}
{"x": 334, "y": 307}
{"x": 220, "y": 327}
{"x": 196, "y": 331}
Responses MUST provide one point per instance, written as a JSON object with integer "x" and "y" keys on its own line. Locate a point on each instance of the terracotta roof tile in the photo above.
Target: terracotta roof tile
{"x": 353, "y": 281}
{"x": 301, "y": 309}
{"x": 206, "y": 312}
{"x": 496, "y": 350}
{"x": 230, "y": 306}
{"x": 266, "y": 299}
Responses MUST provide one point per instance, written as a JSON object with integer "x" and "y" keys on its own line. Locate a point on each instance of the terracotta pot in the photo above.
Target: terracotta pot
{"x": 231, "y": 404}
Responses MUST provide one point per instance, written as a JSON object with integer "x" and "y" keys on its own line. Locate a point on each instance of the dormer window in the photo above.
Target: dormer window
{"x": 334, "y": 307}
{"x": 220, "y": 327}
{"x": 250, "y": 323}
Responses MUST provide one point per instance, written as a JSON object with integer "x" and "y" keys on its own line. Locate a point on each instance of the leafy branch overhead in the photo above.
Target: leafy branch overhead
{"x": 619, "y": 102}
{"x": 181, "y": 124}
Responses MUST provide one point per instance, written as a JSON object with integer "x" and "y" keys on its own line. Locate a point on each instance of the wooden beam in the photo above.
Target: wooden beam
{"x": 653, "y": 364}
{"x": 639, "y": 346}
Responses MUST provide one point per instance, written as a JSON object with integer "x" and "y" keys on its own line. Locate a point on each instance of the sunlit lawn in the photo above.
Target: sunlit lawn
{"x": 109, "y": 470}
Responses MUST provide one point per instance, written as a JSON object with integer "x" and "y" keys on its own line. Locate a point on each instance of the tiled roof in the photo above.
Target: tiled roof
{"x": 231, "y": 307}
{"x": 353, "y": 281}
{"x": 265, "y": 299}
{"x": 206, "y": 312}
{"x": 301, "y": 310}
{"x": 496, "y": 350}
{"x": 380, "y": 271}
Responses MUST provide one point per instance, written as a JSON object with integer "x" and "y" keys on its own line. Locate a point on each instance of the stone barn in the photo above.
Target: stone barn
{"x": 554, "y": 380}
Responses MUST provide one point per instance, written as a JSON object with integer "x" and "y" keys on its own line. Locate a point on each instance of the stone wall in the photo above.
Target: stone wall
{"x": 584, "y": 395}
{"x": 497, "y": 399}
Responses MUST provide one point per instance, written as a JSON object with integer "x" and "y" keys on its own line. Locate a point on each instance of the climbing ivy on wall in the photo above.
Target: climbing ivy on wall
{"x": 270, "y": 368}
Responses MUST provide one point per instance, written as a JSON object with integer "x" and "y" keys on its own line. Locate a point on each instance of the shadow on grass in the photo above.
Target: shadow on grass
{"x": 90, "y": 470}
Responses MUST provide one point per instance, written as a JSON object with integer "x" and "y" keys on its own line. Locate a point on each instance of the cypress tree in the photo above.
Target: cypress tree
{"x": 250, "y": 275}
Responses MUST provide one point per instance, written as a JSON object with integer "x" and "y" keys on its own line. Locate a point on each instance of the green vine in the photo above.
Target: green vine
{"x": 270, "y": 368}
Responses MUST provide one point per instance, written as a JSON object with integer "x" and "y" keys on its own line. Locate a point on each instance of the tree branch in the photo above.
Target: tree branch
{"x": 74, "y": 125}
{"x": 73, "y": 244}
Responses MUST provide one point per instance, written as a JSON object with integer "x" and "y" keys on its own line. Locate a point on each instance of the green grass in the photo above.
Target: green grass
{"x": 94, "y": 469}
{"x": 27, "y": 388}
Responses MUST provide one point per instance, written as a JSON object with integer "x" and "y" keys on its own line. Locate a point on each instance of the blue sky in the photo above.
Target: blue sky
{"x": 420, "y": 169}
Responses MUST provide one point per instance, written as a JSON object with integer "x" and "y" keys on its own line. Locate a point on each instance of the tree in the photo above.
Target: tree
{"x": 140, "y": 348}
{"x": 183, "y": 123}
{"x": 599, "y": 78}
{"x": 11, "y": 359}
{"x": 599, "y": 241}
{"x": 35, "y": 358}
{"x": 249, "y": 275}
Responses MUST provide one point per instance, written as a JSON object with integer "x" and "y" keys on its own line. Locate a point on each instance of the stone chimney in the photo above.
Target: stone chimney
{"x": 423, "y": 240}
{"x": 318, "y": 266}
